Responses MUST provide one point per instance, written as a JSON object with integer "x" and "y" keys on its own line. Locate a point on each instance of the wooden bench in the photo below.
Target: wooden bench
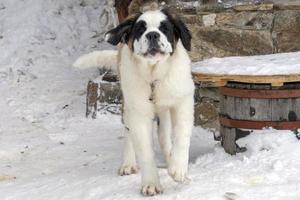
{"x": 254, "y": 102}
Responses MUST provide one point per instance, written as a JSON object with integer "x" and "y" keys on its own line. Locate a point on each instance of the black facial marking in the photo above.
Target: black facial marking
{"x": 167, "y": 28}
{"x": 138, "y": 29}
{"x": 180, "y": 30}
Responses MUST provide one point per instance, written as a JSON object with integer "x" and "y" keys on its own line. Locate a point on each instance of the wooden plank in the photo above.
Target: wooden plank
{"x": 297, "y": 107}
{"x": 279, "y": 109}
{"x": 293, "y": 115}
{"x": 261, "y": 108}
{"x": 222, "y": 105}
{"x": 276, "y": 80}
{"x": 230, "y": 107}
{"x": 220, "y": 83}
{"x": 277, "y": 84}
{"x": 285, "y": 109}
{"x": 242, "y": 108}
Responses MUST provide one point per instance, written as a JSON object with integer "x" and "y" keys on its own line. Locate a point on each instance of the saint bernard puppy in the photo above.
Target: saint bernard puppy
{"x": 155, "y": 75}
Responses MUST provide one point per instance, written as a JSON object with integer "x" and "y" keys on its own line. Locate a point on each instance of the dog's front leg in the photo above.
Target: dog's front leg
{"x": 140, "y": 130}
{"x": 182, "y": 120}
{"x": 129, "y": 165}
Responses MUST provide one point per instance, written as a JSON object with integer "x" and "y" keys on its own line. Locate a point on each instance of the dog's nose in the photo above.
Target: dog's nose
{"x": 152, "y": 36}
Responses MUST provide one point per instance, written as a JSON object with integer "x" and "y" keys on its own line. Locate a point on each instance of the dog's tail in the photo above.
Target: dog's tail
{"x": 106, "y": 59}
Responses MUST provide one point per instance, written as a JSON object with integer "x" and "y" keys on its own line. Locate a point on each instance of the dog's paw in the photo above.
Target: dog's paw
{"x": 151, "y": 190}
{"x": 178, "y": 170}
{"x": 128, "y": 170}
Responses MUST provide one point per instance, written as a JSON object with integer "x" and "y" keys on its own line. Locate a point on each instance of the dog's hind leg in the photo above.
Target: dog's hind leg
{"x": 164, "y": 133}
{"x": 129, "y": 165}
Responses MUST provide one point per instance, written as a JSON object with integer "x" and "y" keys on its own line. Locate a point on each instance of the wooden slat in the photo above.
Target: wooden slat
{"x": 221, "y": 80}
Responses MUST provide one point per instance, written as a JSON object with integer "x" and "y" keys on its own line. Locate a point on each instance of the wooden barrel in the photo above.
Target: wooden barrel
{"x": 256, "y": 106}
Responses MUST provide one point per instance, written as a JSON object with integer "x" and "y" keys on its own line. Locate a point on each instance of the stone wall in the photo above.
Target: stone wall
{"x": 243, "y": 30}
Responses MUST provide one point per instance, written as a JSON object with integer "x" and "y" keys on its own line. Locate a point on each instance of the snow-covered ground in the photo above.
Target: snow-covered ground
{"x": 49, "y": 150}
{"x": 274, "y": 64}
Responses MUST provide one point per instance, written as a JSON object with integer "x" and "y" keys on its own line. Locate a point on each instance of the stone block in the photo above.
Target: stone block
{"x": 254, "y": 7}
{"x": 287, "y": 30}
{"x": 246, "y": 20}
{"x": 220, "y": 42}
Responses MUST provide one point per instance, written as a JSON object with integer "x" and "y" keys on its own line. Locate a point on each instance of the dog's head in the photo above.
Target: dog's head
{"x": 152, "y": 35}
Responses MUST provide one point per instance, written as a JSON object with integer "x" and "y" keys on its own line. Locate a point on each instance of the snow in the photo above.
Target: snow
{"x": 274, "y": 64}
{"x": 49, "y": 150}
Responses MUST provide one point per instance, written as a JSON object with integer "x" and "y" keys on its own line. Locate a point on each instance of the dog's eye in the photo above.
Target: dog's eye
{"x": 139, "y": 29}
{"x": 164, "y": 28}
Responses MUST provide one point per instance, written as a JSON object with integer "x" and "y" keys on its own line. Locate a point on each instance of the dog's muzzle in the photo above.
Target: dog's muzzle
{"x": 153, "y": 48}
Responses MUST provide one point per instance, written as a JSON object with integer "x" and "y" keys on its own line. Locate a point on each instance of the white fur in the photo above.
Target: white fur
{"x": 174, "y": 102}
{"x": 105, "y": 58}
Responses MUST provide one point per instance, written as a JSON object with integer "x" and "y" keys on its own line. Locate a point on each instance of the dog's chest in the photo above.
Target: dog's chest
{"x": 168, "y": 91}
{"x": 168, "y": 84}
{"x": 162, "y": 94}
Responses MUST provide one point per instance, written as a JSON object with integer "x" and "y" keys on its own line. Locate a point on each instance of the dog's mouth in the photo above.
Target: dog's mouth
{"x": 154, "y": 54}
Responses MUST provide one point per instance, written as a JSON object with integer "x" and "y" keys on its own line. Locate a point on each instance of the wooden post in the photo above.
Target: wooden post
{"x": 228, "y": 140}
{"x": 122, "y": 8}
{"x": 91, "y": 99}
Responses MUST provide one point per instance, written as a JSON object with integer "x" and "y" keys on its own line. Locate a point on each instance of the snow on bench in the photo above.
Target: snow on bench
{"x": 274, "y": 64}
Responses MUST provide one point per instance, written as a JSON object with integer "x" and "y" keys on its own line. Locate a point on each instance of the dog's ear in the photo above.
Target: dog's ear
{"x": 122, "y": 32}
{"x": 183, "y": 33}
{"x": 180, "y": 30}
